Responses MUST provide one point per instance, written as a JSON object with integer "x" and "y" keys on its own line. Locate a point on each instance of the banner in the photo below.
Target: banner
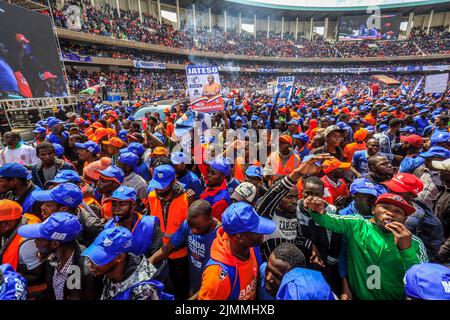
{"x": 230, "y": 69}
{"x": 149, "y": 64}
{"x": 204, "y": 88}
{"x": 75, "y": 57}
{"x": 436, "y": 83}
{"x": 284, "y": 88}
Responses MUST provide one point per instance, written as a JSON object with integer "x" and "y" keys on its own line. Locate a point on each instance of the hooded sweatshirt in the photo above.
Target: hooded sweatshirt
{"x": 217, "y": 283}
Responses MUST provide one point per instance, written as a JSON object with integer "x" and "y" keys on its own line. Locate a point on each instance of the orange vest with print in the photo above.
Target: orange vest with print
{"x": 239, "y": 172}
{"x": 11, "y": 254}
{"x": 277, "y": 165}
{"x": 177, "y": 213}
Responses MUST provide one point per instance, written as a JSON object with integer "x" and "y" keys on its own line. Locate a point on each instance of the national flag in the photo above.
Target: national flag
{"x": 416, "y": 87}
{"x": 404, "y": 89}
{"x": 91, "y": 90}
{"x": 341, "y": 90}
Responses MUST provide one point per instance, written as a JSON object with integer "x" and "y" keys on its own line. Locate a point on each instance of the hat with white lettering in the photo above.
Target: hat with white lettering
{"x": 428, "y": 281}
{"x": 60, "y": 226}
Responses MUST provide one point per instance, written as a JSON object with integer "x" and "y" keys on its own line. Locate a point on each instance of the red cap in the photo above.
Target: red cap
{"x": 396, "y": 200}
{"x": 413, "y": 139}
{"x": 21, "y": 37}
{"x": 48, "y": 75}
{"x": 404, "y": 182}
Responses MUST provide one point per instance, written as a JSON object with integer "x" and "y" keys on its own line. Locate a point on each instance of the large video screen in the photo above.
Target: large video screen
{"x": 29, "y": 61}
{"x": 366, "y": 28}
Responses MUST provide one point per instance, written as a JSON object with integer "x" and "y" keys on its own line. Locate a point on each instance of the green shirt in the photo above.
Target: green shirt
{"x": 376, "y": 267}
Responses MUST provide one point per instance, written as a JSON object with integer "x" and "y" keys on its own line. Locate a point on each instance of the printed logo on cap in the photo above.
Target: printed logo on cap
{"x": 369, "y": 185}
{"x": 128, "y": 244}
{"x": 398, "y": 198}
{"x": 120, "y": 189}
{"x": 69, "y": 200}
{"x": 160, "y": 175}
{"x": 90, "y": 149}
{"x": 446, "y": 285}
{"x": 58, "y": 236}
{"x": 107, "y": 242}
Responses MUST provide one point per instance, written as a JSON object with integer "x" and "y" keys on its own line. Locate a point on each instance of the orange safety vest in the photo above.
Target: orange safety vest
{"x": 11, "y": 254}
{"x": 177, "y": 213}
{"x": 239, "y": 172}
{"x": 278, "y": 168}
{"x": 91, "y": 200}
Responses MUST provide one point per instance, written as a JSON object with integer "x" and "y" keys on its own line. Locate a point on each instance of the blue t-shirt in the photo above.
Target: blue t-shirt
{"x": 420, "y": 124}
{"x": 199, "y": 247}
{"x": 360, "y": 162}
{"x": 191, "y": 181}
{"x": 410, "y": 164}
{"x": 144, "y": 171}
{"x": 8, "y": 81}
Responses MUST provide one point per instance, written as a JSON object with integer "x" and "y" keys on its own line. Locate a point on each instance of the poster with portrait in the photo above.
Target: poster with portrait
{"x": 284, "y": 88}
{"x": 205, "y": 91}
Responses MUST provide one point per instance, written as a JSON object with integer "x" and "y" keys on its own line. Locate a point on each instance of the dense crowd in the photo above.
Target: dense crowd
{"x": 313, "y": 198}
{"x": 106, "y": 22}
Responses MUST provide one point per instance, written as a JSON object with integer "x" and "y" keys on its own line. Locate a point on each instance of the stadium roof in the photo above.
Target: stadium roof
{"x": 289, "y": 10}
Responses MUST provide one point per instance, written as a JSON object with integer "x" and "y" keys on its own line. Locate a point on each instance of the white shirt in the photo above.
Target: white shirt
{"x": 25, "y": 155}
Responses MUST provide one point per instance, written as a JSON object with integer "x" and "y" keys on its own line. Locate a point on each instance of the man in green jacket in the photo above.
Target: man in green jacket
{"x": 380, "y": 250}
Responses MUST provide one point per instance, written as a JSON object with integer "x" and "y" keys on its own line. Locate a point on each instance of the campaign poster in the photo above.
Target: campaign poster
{"x": 284, "y": 88}
{"x": 205, "y": 91}
{"x": 436, "y": 83}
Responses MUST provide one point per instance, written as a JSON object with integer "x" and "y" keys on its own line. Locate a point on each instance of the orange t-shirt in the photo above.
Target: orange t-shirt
{"x": 169, "y": 128}
{"x": 351, "y": 148}
{"x": 216, "y": 284}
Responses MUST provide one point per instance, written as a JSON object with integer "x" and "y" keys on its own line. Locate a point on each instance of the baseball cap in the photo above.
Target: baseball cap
{"x": 91, "y": 171}
{"x": 97, "y": 125}
{"x": 123, "y": 135}
{"x": 220, "y": 164}
{"x": 13, "y": 170}
{"x": 39, "y": 129}
{"x": 404, "y": 182}
{"x": 129, "y": 158}
{"x": 115, "y": 142}
{"x": 161, "y": 151}
{"x": 441, "y": 165}
{"x": 66, "y": 194}
{"x": 51, "y": 122}
{"x": 428, "y": 281}
{"x": 397, "y": 201}
{"x": 238, "y": 118}
{"x": 360, "y": 134}
{"x": 60, "y": 226}
{"x": 413, "y": 139}
{"x": 362, "y": 185}
{"x": 134, "y": 147}
{"x": 10, "y": 210}
{"x": 242, "y": 217}
{"x": 440, "y": 138}
{"x": 90, "y": 146}
{"x": 285, "y": 138}
{"x": 162, "y": 177}
{"x": 304, "y": 284}
{"x": 124, "y": 193}
{"x": 21, "y": 37}
{"x": 179, "y": 158}
{"x": 244, "y": 192}
{"x": 108, "y": 245}
{"x": 409, "y": 129}
{"x": 160, "y": 137}
{"x": 64, "y": 176}
{"x": 292, "y": 122}
{"x": 48, "y": 75}
{"x": 333, "y": 164}
{"x": 383, "y": 127}
{"x": 99, "y": 134}
{"x": 112, "y": 173}
{"x": 437, "y": 152}
{"x": 331, "y": 129}
{"x": 301, "y": 136}
{"x": 254, "y": 171}
{"x": 59, "y": 149}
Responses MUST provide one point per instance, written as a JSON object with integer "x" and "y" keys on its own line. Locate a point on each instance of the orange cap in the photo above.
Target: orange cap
{"x": 360, "y": 135}
{"x": 333, "y": 164}
{"x": 115, "y": 142}
{"x": 111, "y": 132}
{"x": 10, "y": 210}
{"x": 99, "y": 133}
{"x": 160, "y": 151}
{"x": 90, "y": 171}
{"x": 285, "y": 138}
{"x": 97, "y": 125}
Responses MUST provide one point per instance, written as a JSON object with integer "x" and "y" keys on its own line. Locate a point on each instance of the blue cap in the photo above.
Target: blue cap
{"x": 238, "y": 118}
{"x": 179, "y": 158}
{"x": 423, "y": 111}
{"x": 409, "y": 129}
{"x": 292, "y": 122}
{"x": 241, "y": 217}
{"x": 13, "y": 170}
{"x": 64, "y": 176}
{"x": 162, "y": 177}
{"x": 438, "y": 152}
{"x": 160, "y": 136}
{"x": 89, "y": 146}
{"x": 303, "y": 137}
{"x": 39, "y": 130}
{"x": 428, "y": 281}
{"x": 304, "y": 284}
{"x": 108, "y": 245}
{"x": 51, "y": 122}
{"x": 13, "y": 286}
{"x": 220, "y": 164}
{"x": 264, "y": 112}
{"x": 124, "y": 193}
{"x": 442, "y": 137}
{"x": 254, "y": 118}
{"x": 129, "y": 158}
{"x": 131, "y": 118}
{"x": 363, "y": 185}
{"x": 254, "y": 171}
{"x": 122, "y": 134}
{"x": 134, "y": 147}
{"x": 370, "y": 129}
{"x": 113, "y": 172}
{"x": 383, "y": 127}
{"x": 66, "y": 194}
{"x": 60, "y": 226}
{"x": 59, "y": 149}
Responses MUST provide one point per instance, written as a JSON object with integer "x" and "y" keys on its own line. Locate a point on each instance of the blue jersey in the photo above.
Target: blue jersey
{"x": 199, "y": 247}
{"x": 191, "y": 181}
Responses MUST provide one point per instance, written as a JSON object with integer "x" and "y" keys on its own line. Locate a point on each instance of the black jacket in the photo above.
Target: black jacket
{"x": 38, "y": 175}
